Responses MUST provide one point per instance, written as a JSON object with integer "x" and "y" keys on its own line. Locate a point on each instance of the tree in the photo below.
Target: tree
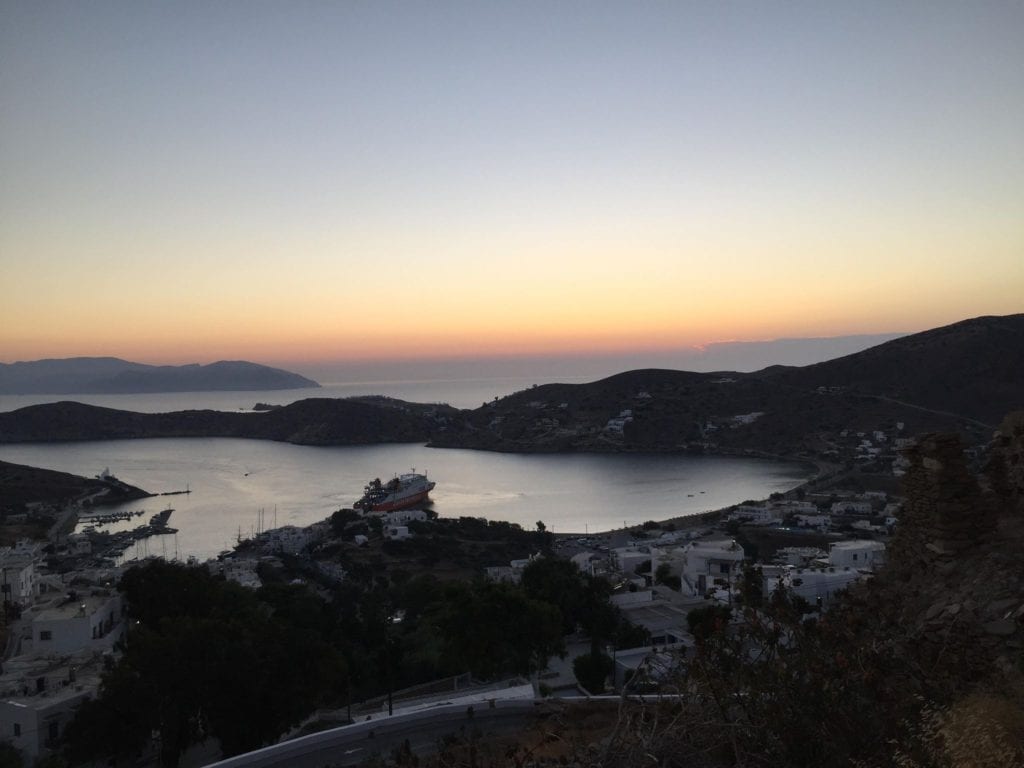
{"x": 751, "y": 586}
{"x": 207, "y": 657}
{"x": 705, "y": 622}
{"x": 496, "y": 628}
{"x": 592, "y": 669}
{"x": 558, "y": 582}
{"x": 664, "y": 575}
{"x": 598, "y": 616}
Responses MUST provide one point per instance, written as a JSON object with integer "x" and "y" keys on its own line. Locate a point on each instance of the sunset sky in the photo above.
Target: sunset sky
{"x": 290, "y": 182}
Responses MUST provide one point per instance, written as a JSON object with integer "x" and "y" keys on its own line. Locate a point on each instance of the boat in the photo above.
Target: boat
{"x": 159, "y": 520}
{"x": 397, "y": 493}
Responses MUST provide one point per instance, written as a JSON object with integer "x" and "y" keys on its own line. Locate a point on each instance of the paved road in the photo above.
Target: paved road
{"x": 352, "y": 744}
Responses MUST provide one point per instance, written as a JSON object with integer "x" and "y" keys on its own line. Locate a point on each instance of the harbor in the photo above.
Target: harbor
{"x": 231, "y": 478}
{"x": 108, "y": 546}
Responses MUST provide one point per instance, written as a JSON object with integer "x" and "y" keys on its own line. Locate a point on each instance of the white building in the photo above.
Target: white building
{"x": 756, "y": 515}
{"x": 588, "y": 563}
{"x": 862, "y": 553}
{"x": 19, "y": 577}
{"x": 93, "y": 622}
{"x": 619, "y": 423}
{"x": 38, "y": 698}
{"x": 814, "y": 584}
{"x": 704, "y": 562}
{"x": 814, "y": 521}
{"x": 628, "y": 558}
{"x": 403, "y": 516}
{"x": 289, "y": 539}
{"x": 512, "y": 572}
{"x": 787, "y": 506}
{"x": 397, "y": 532}
{"x": 851, "y": 508}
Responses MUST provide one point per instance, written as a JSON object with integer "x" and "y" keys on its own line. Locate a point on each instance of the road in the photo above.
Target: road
{"x": 352, "y": 744}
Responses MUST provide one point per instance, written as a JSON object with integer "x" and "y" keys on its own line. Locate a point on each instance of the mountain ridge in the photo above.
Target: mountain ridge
{"x": 112, "y": 375}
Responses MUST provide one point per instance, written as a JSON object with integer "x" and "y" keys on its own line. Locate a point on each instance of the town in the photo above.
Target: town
{"x": 65, "y": 620}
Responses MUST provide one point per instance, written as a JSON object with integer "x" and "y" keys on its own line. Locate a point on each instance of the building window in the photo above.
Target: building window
{"x": 723, "y": 568}
{"x": 45, "y": 634}
{"x": 17, "y": 729}
{"x": 854, "y": 555}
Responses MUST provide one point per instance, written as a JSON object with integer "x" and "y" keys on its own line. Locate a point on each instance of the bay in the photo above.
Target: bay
{"x": 238, "y": 485}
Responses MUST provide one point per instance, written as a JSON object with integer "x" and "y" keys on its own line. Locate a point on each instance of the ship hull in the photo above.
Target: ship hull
{"x": 389, "y": 505}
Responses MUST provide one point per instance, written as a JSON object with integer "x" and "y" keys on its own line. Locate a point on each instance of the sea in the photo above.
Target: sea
{"x": 238, "y": 487}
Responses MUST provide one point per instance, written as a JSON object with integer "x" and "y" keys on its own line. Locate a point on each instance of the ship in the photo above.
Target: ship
{"x": 398, "y": 493}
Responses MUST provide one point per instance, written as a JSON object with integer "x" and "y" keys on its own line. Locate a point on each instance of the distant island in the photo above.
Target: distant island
{"x": 113, "y": 376}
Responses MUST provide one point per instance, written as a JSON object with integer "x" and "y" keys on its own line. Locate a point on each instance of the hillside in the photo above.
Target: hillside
{"x": 317, "y": 421}
{"x": 960, "y": 378}
{"x": 34, "y": 500}
{"x": 974, "y": 368}
{"x": 110, "y": 375}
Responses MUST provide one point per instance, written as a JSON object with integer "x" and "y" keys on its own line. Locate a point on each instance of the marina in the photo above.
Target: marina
{"x": 103, "y": 547}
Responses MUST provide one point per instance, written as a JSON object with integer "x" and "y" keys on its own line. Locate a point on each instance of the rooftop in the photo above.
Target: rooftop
{"x": 80, "y": 607}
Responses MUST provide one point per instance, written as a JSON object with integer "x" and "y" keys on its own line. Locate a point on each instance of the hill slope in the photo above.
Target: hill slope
{"x": 974, "y": 368}
{"x": 317, "y": 421}
{"x": 960, "y": 378}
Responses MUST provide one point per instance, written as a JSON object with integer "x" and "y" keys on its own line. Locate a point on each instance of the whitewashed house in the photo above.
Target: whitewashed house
{"x": 19, "y": 575}
{"x": 704, "y": 562}
{"x": 861, "y": 553}
{"x": 628, "y": 558}
{"x": 38, "y": 698}
{"x": 403, "y": 516}
{"x": 90, "y": 622}
{"x": 816, "y": 584}
{"x": 397, "y": 532}
{"x": 851, "y": 508}
{"x": 289, "y": 539}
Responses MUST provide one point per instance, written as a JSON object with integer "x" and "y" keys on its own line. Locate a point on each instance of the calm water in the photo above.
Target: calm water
{"x": 232, "y": 480}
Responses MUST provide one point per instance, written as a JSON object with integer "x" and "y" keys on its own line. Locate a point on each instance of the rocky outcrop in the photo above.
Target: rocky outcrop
{"x": 955, "y": 580}
{"x": 1005, "y": 468}
{"x": 946, "y": 512}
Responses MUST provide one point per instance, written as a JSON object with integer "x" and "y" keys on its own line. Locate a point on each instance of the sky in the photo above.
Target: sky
{"x": 301, "y": 182}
